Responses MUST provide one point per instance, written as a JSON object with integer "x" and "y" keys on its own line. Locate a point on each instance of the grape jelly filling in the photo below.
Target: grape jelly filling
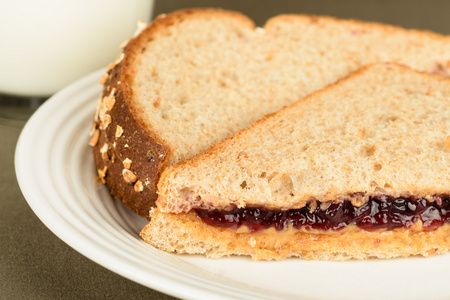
{"x": 380, "y": 212}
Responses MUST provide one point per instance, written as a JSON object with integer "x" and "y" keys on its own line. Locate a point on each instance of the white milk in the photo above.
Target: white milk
{"x": 47, "y": 44}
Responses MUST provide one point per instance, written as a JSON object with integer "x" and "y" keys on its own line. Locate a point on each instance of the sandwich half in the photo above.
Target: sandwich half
{"x": 359, "y": 169}
{"x": 195, "y": 77}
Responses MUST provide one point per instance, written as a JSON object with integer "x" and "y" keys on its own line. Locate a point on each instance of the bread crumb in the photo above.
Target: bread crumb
{"x": 140, "y": 27}
{"x": 150, "y": 213}
{"x": 97, "y": 109}
{"x": 102, "y": 109}
{"x": 110, "y": 101}
{"x": 106, "y": 120}
{"x": 95, "y": 137}
{"x": 127, "y": 163}
{"x": 129, "y": 176}
{"x": 104, "y": 148}
{"x": 102, "y": 174}
{"x": 104, "y": 151}
{"x": 325, "y": 205}
{"x": 312, "y": 206}
{"x": 138, "y": 186}
{"x": 119, "y": 58}
{"x": 119, "y": 131}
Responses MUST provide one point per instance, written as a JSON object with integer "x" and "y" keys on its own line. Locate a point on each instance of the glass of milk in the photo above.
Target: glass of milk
{"x": 47, "y": 44}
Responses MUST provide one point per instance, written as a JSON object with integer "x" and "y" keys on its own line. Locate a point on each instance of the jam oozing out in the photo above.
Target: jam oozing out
{"x": 379, "y": 212}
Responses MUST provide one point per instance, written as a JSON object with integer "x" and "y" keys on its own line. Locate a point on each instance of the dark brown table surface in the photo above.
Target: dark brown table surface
{"x": 35, "y": 264}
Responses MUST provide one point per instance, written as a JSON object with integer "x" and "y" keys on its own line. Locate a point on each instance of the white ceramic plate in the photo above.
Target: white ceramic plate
{"x": 55, "y": 171}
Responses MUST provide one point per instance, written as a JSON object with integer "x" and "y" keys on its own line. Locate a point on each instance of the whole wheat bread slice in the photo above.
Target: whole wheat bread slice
{"x": 194, "y": 77}
{"x": 384, "y": 131}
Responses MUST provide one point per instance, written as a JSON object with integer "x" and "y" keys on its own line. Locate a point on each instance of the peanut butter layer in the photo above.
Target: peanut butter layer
{"x": 187, "y": 233}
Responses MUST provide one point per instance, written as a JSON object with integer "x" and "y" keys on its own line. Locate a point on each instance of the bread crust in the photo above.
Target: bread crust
{"x": 186, "y": 233}
{"x": 362, "y": 25}
{"x": 148, "y": 152}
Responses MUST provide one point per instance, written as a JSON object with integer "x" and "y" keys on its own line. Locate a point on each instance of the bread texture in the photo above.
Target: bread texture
{"x": 194, "y": 77}
{"x": 383, "y": 130}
